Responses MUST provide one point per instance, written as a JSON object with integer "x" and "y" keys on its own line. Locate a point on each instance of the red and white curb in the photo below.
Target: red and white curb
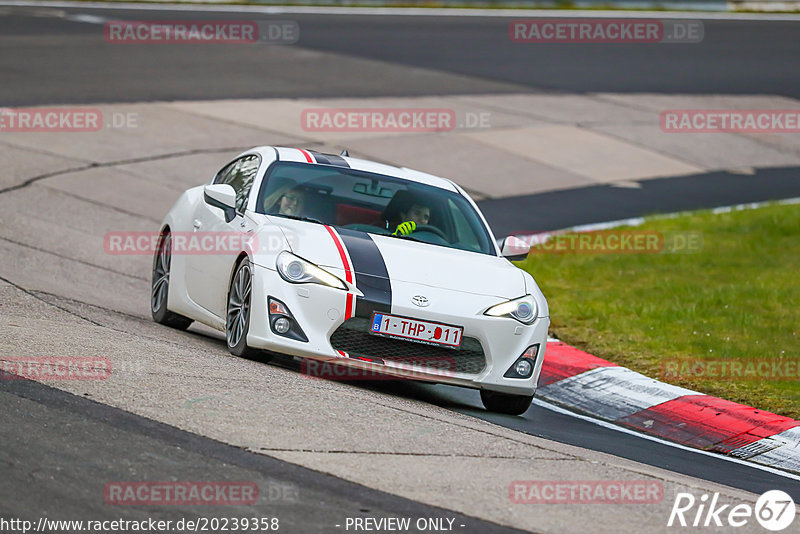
{"x": 589, "y": 385}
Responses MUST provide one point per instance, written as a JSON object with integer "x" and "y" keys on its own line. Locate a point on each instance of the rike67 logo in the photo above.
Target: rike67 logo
{"x": 774, "y": 510}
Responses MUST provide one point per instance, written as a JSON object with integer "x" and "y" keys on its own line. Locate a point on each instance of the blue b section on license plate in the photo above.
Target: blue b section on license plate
{"x": 376, "y": 322}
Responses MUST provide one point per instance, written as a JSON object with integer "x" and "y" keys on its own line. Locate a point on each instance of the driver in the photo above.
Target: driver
{"x": 417, "y": 214}
{"x": 292, "y": 202}
{"x": 287, "y": 199}
{"x": 406, "y": 212}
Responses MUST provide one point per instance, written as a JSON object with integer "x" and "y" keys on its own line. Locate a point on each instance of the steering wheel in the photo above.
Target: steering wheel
{"x": 432, "y": 229}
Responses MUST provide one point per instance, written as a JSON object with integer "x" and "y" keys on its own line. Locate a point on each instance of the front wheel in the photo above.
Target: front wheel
{"x": 506, "y": 403}
{"x": 237, "y": 323}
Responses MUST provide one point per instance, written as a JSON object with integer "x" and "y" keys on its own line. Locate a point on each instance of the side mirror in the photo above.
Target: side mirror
{"x": 221, "y": 196}
{"x": 513, "y": 248}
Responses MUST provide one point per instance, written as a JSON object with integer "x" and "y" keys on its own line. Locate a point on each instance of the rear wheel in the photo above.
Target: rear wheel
{"x": 505, "y": 403}
{"x": 237, "y": 323}
{"x": 159, "y": 287}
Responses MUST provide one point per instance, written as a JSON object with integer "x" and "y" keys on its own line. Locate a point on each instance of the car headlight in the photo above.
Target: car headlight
{"x": 523, "y": 309}
{"x": 296, "y": 270}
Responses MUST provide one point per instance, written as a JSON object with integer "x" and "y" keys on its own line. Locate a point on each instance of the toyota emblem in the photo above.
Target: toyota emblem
{"x": 420, "y": 300}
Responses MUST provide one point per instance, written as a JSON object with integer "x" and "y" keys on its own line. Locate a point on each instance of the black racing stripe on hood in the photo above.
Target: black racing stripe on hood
{"x": 329, "y": 159}
{"x": 372, "y": 278}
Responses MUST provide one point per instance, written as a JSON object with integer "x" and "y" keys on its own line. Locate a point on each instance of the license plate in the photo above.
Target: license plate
{"x": 415, "y": 330}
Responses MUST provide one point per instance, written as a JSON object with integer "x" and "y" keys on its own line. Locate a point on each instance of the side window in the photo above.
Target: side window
{"x": 465, "y": 236}
{"x": 239, "y": 175}
{"x": 222, "y": 176}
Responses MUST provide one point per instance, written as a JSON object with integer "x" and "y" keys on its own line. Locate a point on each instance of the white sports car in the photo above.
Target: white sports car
{"x": 354, "y": 263}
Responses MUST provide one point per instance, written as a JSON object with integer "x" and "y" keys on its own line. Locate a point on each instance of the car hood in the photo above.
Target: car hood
{"x": 403, "y": 260}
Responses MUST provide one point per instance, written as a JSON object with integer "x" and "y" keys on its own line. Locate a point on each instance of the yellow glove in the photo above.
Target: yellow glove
{"x": 405, "y": 228}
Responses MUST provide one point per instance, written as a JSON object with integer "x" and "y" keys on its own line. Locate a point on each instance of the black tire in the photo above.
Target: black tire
{"x": 237, "y": 317}
{"x": 505, "y": 403}
{"x": 159, "y": 287}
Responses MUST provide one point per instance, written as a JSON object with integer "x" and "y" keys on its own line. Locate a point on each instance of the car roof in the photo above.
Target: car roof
{"x": 313, "y": 157}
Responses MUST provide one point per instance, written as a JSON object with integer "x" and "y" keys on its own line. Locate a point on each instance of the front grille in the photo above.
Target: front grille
{"x": 354, "y": 338}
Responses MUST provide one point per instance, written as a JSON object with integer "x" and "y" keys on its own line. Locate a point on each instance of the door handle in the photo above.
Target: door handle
{"x": 197, "y": 224}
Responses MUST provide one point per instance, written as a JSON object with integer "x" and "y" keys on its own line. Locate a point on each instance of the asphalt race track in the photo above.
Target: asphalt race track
{"x": 57, "y": 448}
{"x": 72, "y": 431}
{"x": 599, "y": 203}
{"x": 736, "y": 57}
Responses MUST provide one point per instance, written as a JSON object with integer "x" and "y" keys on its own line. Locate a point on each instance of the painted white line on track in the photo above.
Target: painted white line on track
{"x": 410, "y": 11}
{"x": 88, "y": 19}
{"x": 552, "y": 407}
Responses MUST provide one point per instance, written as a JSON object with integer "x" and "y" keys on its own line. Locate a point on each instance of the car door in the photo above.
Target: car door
{"x": 208, "y": 270}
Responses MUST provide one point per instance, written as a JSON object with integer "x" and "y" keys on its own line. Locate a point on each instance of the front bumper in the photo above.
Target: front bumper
{"x": 490, "y": 345}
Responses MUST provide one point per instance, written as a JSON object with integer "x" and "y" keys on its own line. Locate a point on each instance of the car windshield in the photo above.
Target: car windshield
{"x": 373, "y": 203}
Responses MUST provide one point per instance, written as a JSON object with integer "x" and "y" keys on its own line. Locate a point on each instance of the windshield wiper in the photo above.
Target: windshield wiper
{"x": 298, "y": 218}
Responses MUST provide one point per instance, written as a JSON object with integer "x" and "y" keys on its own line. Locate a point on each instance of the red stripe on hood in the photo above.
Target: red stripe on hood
{"x": 348, "y": 271}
